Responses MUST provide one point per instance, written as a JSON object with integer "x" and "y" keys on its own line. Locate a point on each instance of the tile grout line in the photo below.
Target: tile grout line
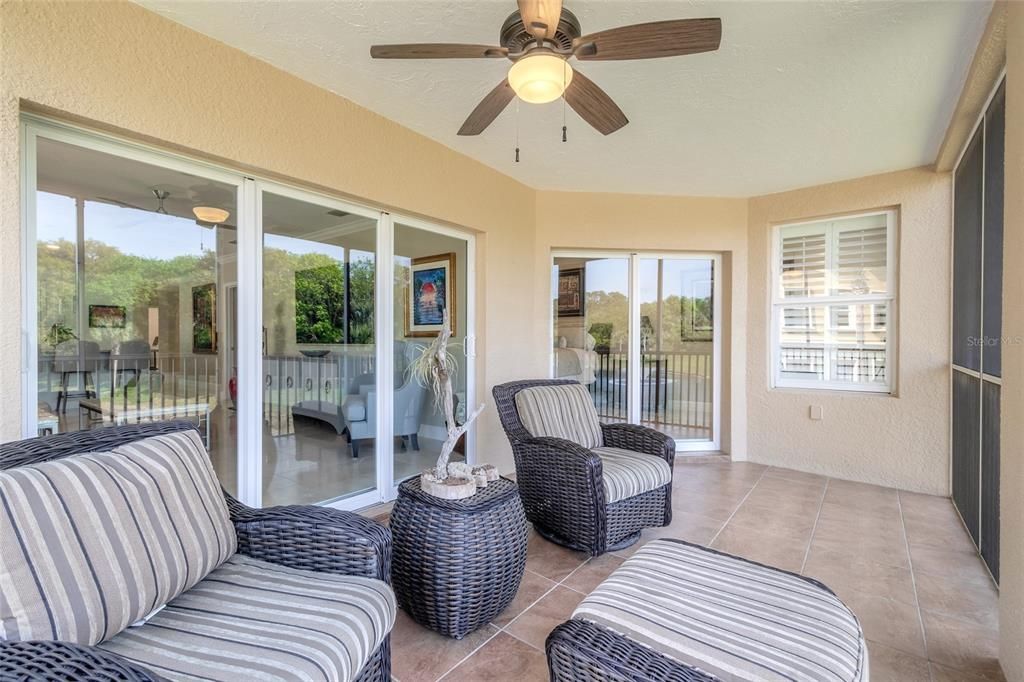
{"x": 821, "y": 505}
{"x": 715, "y": 536}
{"x": 913, "y": 582}
{"x": 520, "y": 639}
{"x": 504, "y": 628}
{"x": 467, "y": 656}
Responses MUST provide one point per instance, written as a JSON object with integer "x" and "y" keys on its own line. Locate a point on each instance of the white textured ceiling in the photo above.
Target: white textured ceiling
{"x": 800, "y": 93}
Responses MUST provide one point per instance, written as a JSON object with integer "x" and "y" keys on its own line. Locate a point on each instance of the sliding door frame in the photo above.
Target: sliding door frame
{"x": 32, "y": 129}
{"x": 383, "y": 361}
{"x": 633, "y": 258}
{"x": 391, "y": 486}
{"x": 249, "y": 284}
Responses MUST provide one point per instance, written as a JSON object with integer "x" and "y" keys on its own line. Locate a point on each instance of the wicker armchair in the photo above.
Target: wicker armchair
{"x": 303, "y": 537}
{"x": 561, "y": 482}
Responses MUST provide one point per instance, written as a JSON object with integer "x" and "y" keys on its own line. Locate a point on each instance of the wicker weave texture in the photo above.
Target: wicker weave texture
{"x": 306, "y": 537}
{"x": 457, "y": 563}
{"x": 579, "y": 651}
{"x": 64, "y": 662}
{"x": 560, "y": 482}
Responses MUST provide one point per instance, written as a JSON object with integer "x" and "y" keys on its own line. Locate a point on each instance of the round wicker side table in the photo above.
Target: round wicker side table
{"x": 456, "y": 564}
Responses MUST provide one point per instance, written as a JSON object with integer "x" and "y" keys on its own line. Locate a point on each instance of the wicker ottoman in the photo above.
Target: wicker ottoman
{"x": 680, "y": 612}
{"x": 457, "y": 563}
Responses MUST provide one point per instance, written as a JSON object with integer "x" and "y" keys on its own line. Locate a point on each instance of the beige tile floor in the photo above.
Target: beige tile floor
{"x": 902, "y": 561}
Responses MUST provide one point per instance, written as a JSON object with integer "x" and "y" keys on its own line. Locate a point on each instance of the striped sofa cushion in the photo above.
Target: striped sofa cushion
{"x": 728, "y": 616}
{"x": 628, "y": 473}
{"x": 94, "y": 542}
{"x": 252, "y": 620}
{"x": 562, "y": 411}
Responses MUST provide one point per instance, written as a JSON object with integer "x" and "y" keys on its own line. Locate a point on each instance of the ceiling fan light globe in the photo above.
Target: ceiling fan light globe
{"x": 540, "y": 78}
{"x": 210, "y": 214}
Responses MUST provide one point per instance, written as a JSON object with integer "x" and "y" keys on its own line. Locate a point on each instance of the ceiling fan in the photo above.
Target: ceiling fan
{"x": 541, "y": 37}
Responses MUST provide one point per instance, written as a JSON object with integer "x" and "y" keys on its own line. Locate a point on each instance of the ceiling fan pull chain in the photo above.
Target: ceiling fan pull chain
{"x": 563, "y": 104}
{"x": 517, "y": 131}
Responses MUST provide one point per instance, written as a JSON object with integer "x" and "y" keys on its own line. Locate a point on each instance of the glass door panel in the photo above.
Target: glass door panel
{"x": 677, "y": 346}
{"x": 319, "y": 382}
{"x": 430, "y": 275}
{"x": 131, "y": 287}
{"x": 590, "y": 314}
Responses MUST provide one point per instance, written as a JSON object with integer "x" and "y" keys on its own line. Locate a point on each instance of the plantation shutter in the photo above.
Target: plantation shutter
{"x": 832, "y": 303}
{"x": 803, "y": 264}
{"x": 860, "y": 258}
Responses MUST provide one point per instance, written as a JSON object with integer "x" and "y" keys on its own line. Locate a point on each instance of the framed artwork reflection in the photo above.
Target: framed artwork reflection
{"x": 107, "y": 316}
{"x": 571, "y": 293}
{"x": 431, "y": 291}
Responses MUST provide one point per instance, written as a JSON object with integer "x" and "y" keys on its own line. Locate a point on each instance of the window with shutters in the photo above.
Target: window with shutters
{"x": 834, "y": 304}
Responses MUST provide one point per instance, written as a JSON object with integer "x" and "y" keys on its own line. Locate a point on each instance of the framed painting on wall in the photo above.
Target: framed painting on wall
{"x": 107, "y": 316}
{"x": 204, "y": 318}
{"x": 431, "y": 291}
{"x": 571, "y": 293}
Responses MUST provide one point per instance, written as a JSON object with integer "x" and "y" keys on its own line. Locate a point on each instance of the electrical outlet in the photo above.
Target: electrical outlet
{"x": 815, "y": 413}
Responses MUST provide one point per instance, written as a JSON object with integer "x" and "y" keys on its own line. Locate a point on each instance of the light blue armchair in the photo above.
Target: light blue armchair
{"x": 359, "y": 409}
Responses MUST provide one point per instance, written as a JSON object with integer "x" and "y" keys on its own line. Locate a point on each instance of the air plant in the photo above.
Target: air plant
{"x": 433, "y": 369}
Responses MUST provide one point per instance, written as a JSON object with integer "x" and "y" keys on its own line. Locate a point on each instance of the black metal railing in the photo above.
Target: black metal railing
{"x": 171, "y": 384}
{"x": 676, "y": 389}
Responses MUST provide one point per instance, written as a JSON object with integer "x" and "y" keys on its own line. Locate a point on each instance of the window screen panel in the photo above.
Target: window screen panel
{"x": 992, "y": 305}
{"x": 967, "y": 257}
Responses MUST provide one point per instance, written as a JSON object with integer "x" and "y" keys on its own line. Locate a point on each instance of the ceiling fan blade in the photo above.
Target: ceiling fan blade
{"x": 593, "y": 105}
{"x": 488, "y": 109}
{"x": 541, "y": 16}
{"x": 122, "y": 204}
{"x": 437, "y": 51}
{"x": 649, "y": 41}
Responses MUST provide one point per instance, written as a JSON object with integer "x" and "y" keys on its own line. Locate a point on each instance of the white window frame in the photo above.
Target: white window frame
{"x": 778, "y": 302}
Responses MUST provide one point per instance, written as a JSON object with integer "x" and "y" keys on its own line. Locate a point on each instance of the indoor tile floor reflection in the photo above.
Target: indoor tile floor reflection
{"x": 309, "y": 464}
{"x": 902, "y": 561}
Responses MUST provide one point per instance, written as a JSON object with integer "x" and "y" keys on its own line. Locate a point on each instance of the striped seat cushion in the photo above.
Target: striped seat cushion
{"x": 94, "y": 542}
{"x": 628, "y": 473}
{"x": 562, "y": 411}
{"x": 252, "y": 620}
{"x": 728, "y": 616}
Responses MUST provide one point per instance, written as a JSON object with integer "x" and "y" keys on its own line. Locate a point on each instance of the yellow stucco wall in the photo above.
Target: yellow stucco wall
{"x": 900, "y": 440}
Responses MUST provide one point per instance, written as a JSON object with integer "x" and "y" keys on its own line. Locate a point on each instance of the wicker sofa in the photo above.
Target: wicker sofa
{"x": 303, "y": 558}
{"x": 575, "y": 485}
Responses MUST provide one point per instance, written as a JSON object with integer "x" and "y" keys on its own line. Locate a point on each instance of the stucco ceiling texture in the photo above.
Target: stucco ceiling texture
{"x": 800, "y": 93}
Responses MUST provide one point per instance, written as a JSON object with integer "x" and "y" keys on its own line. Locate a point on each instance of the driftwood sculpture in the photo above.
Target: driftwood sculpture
{"x": 434, "y": 369}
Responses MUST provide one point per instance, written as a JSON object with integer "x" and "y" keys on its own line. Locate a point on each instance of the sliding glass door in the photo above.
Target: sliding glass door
{"x": 677, "y": 344}
{"x": 319, "y": 350}
{"x": 128, "y": 319}
{"x": 641, "y": 332}
{"x": 282, "y": 322}
{"x": 591, "y": 327}
{"x": 431, "y": 277}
